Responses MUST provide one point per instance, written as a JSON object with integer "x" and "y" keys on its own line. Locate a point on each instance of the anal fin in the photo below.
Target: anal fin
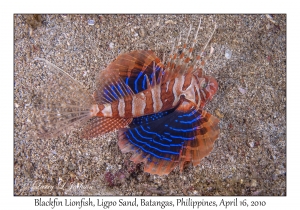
{"x": 100, "y": 125}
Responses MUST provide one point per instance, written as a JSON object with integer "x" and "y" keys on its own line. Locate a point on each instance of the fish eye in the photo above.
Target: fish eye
{"x": 203, "y": 84}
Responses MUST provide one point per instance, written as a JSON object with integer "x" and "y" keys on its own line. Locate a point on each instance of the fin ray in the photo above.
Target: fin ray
{"x": 133, "y": 68}
{"x": 100, "y": 125}
{"x": 59, "y": 103}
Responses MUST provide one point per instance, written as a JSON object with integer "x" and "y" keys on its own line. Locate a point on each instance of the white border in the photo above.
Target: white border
{"x": 154, "y": 6}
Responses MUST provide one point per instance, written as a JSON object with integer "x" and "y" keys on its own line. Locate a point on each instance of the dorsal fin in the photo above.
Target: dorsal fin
{"x": 180, "y": 64}
{"x": 110, "y": 87}
{"x": 128, "y": 74}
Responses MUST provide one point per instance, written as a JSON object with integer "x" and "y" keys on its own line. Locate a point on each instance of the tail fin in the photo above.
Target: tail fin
{"x": 59, "y": 102}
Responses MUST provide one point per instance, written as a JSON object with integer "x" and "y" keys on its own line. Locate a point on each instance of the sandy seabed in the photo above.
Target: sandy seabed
{"x": 249, "y": 157}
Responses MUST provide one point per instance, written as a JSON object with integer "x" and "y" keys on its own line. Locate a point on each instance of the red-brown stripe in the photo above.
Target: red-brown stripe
{"x": 167, "y": 97}
{"x": 149, "y": 102}
{"x": 128, "y": 106}
{"x": 114, "y": 109}
{"x": 187, "y": 81}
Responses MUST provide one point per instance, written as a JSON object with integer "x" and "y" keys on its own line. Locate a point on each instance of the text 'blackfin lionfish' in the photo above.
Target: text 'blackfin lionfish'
{"x": 157, "y": 107}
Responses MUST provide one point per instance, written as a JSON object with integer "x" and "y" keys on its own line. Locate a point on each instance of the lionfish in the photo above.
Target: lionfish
{"x": 157, "y": 107}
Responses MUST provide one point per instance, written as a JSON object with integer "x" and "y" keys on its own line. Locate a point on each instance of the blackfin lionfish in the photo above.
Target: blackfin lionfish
{"x": 156, "y": 106}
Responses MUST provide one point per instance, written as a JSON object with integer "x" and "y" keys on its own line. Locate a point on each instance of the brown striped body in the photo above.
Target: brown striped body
{"x": 160, "y": 97}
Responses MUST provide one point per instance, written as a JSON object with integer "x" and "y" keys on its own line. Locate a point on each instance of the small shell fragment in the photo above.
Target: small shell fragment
{"x": 257, "y": 192}
{"x": 242, "y": 90}
{"x": 251, "y": 144}
{"x": 270, "y": 19}
{"x": 219, "y": 114}
{"x": 142, "y": 32}
{"x": 170, "y": 22}
{"x": 91, "y": 22}
{"x": 228, "y": 54}
{"x": 253, "y": 183}
{"x": 111, "y": 45}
